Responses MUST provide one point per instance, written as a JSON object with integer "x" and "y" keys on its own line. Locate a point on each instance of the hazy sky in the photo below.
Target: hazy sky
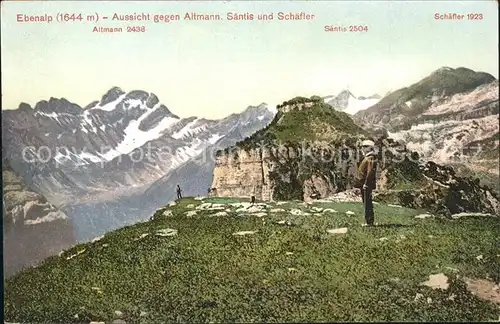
{"x": 214, "y": 68}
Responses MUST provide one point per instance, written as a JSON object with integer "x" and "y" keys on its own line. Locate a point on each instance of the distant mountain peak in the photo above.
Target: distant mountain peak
{"x": 345, "y": 93}
{"x": 349, "y": 103}
{"x": 113, "y": 94}
{"x": 400, "y": 107}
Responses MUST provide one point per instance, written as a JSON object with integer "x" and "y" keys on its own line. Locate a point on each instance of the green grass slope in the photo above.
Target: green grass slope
{"x": 289, "y": 270}
{"x": 317, "y": 123}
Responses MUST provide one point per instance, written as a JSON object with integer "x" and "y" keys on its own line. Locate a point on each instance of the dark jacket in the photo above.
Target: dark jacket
{"x": 367, "y": 171}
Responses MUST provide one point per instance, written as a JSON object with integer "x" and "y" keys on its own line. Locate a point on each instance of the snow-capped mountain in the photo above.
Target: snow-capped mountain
{"x": 348, "y": 103}
{"x": 123, "y": 141}
{"x": 114, "y": 147}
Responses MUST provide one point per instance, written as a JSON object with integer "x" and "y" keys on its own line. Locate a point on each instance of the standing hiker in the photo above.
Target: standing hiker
{"x": 179, "y": 192}
{"x": 366, "y": 178}
{"x": 252, "y": 198}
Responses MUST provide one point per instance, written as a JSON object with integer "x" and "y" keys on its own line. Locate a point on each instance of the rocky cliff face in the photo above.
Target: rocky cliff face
{"x": 437, "y": 188}
{"x": 308, "y": 150}
{"x": 33, "y": 228}
{"x": 243, "y": 173}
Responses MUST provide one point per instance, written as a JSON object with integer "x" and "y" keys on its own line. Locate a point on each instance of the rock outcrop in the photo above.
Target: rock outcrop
{"x": 33, "y": 228}
{"x": 308, "y": 151}
{"x": 437, "y": 189}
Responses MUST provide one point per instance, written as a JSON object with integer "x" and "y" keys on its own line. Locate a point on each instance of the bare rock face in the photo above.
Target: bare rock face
{"x": 33, "y": 228}
{"x": 243, "y": 173}
{"x": 318, "y": 187}
{"x": 450, "y": 117}
{"x": 283, "y": 173}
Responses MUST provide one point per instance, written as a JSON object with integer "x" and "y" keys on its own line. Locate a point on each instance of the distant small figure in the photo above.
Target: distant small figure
{"x": 179, "y": 192}
{"x": 253, "y": 200}
{"x": 209, "y": 192}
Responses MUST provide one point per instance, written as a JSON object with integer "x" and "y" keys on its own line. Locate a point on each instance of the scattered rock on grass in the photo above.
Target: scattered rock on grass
{"x": 241, "y": 233}
{"x": 484, "y": 289}
{"x": 349, "y": 212}
{"x": 260, "y": 214}
{"x": 396, "y": 206}
{"x": 479, "y": 257}
{"x": 118, "y": 313}
{"x": 167, "y": 213}
{"x": 460, "y": 215}
{"x": 141, "y": 237}
{"x": 252, "y": 209}
{"x": 166, "y": 232}
{"x": 418, "y": 296}
{"x": 329, "y": 210}
{"x": 342, "y": 230}
{"x": 222, "y": 213}
{"x": 191, "y": 213}
{"x": 298, "y": 212}
{"x": 422, "y": 216}
{"x": 277, "y": 210}
{"x": 190, "y": 206}
{"x": 383, "y": 239}
{"x": 437, "y": 281}
{"x": 210, "y": 206}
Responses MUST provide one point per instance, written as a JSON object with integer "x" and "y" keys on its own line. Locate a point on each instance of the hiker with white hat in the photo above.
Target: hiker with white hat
{"x": 366, "y": 178}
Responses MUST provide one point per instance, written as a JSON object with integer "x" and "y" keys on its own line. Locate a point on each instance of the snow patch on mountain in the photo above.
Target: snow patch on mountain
{"x": 190, "y": 129}
{"x": 135, "y": 138}
{"x": 345, "y": 101}
{"x": 354, "y": 105}
{"x": 110, "y": 106}
{"x": 51, "y": 115}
